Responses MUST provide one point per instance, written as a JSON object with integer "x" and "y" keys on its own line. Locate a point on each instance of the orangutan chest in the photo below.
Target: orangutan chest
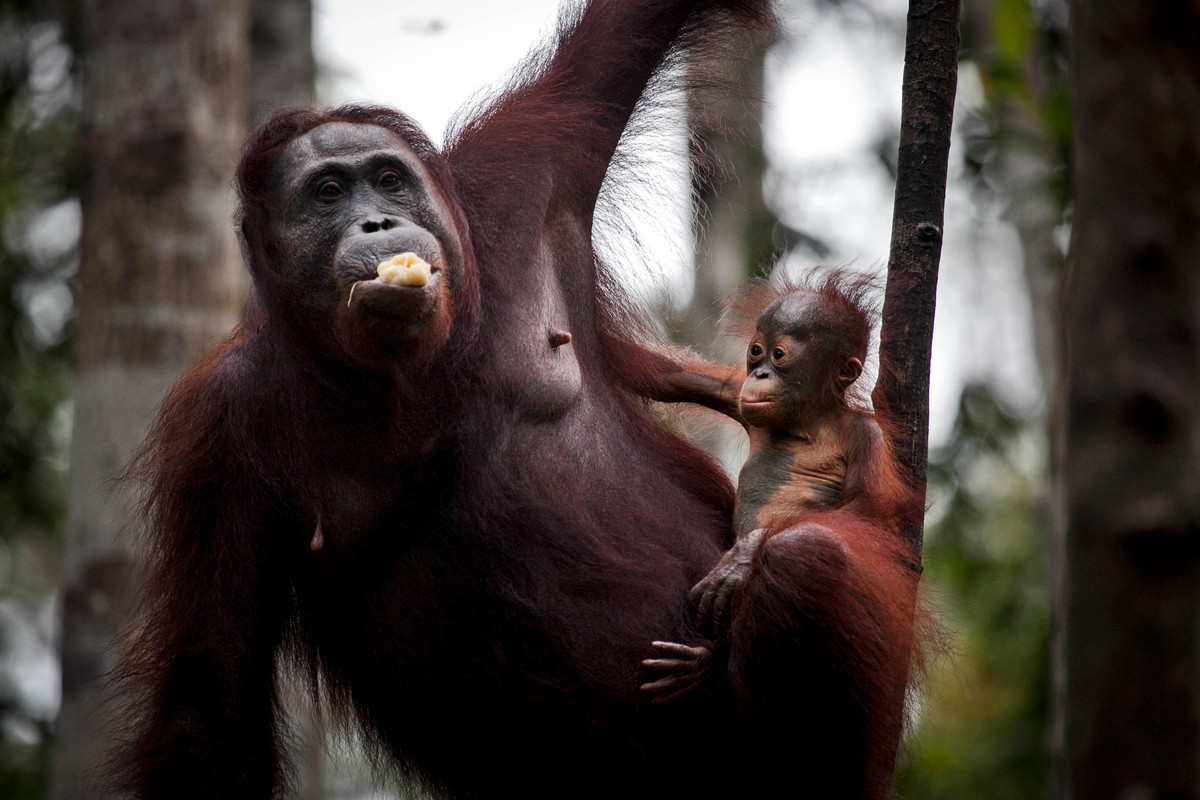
{"x": 776, "y": 483}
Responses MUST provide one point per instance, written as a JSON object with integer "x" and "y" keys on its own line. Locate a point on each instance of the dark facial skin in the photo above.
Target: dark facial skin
{"x": 349, "y": 197}
{"x": 788, "y": 361}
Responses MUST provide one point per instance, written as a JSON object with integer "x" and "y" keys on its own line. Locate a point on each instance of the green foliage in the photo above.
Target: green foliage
{"x": 1022, "y": 65}
{"x": 37, "y": 267}
{"x": 982, "y": 732}
{"x": 24, "y": 767}
{"x": 38, "y": 232}
{"x": 1012, "y": 30}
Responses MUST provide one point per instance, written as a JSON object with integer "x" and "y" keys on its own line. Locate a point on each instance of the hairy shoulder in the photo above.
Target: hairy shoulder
{"x": 859, "y": 433}
{"x": 207, "y": 416}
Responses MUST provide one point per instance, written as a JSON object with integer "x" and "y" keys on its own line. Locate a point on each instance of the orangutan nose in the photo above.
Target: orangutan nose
{"x": 379, "y": 223}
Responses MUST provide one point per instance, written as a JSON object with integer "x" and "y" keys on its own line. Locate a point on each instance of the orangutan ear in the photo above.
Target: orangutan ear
{"x": 851, "y": 369}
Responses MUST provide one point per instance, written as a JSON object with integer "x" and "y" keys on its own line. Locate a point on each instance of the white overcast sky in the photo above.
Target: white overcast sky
{"x": 828, "y": 95}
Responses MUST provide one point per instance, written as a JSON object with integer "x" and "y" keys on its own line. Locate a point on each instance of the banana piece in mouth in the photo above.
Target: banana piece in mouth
{"x": 405, "y": 269}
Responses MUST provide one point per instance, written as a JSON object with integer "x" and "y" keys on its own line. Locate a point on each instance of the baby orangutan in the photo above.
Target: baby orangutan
{"x": 815, "y": 448}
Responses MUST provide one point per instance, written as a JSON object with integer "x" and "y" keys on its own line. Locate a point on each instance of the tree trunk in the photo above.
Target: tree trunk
{"x": 160, "y": 281}
{"x": 906, "y": 334}
{"x": 1132, "y": 713}
{"x": 282, "y": 68}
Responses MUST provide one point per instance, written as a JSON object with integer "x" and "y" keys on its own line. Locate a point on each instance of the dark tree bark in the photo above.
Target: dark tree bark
{"x": 930, "y": 80}
{"x": 1129, "y": 709}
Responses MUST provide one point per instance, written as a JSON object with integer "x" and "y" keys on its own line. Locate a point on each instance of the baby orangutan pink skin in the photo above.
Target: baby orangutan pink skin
{"x": 819, "y": 506}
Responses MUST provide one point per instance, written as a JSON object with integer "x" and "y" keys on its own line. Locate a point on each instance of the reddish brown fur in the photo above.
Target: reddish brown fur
{"x": 830, "y": 590}
{"x": 860, "y": 587}
{"x": 831, "y": 595}
{"x": 500, "y": 541}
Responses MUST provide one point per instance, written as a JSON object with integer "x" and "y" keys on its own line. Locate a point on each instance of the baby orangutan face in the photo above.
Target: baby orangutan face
{"x": 799, "y": 363}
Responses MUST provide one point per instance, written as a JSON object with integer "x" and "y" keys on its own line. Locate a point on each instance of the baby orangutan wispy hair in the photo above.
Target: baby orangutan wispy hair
{"x": 851, "y": 298}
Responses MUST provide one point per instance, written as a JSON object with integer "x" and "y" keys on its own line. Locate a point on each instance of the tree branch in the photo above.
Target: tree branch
{"x": 930, "y": 76}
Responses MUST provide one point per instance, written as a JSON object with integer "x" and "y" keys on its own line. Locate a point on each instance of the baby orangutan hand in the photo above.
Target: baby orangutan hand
{"x": 716, "y": 593}
{"x": 686, "y": 669}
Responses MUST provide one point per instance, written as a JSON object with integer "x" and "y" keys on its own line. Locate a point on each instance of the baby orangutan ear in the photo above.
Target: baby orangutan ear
{"x": 851, "y": 369}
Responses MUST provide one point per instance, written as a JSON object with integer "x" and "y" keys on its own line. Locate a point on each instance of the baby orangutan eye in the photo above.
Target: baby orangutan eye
{"x": 755, "y": 351}
{"x": 778, "y": 354}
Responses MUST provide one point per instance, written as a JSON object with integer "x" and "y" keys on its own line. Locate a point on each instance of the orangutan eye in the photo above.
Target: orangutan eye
{"x": 755, "y": 351}
{"x": 389, "y": 179}
{"x": 778, "y": 353}
{"x": 329, "y": 191}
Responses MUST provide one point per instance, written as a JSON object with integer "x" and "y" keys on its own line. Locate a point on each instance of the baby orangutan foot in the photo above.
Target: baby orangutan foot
{"x": 686, "y": 669}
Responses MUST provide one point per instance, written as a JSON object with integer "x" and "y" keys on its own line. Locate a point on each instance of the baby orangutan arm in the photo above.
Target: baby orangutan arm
{"x": 716, "y": 592}
{"x": 715, "y": 386}
{"x": 681, "y": 376}
{"x": 874, "y": 488}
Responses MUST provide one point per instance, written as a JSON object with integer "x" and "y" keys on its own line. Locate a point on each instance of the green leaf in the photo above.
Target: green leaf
{"x": 1012, "y": 29}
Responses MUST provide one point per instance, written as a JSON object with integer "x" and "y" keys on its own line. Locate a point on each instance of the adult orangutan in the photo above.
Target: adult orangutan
{"x": 445, "y": 502}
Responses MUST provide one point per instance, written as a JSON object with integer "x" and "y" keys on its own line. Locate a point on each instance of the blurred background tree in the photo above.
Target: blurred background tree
{"x": 168, "y": 94}
{"x": 1127, "y": 709}
{"x": 160, "y": 281}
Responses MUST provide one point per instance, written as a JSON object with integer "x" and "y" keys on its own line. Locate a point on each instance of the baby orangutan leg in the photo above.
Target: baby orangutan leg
{"x": 715, "y": 594}
{"x": 686, "y": 670}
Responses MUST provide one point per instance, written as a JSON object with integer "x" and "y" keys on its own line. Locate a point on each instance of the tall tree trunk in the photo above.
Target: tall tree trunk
{"x": 160, "y": 281}
{"x": 1132, "y": 600}
{"x": 282, "y": 68}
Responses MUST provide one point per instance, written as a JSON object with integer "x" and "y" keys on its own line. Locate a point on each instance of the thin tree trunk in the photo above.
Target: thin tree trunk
{"x": 906, "y": 331}
{"x": 1131, "y": 716}
{"x": 160, "y": 281}
{"x": 906, "y": 337}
